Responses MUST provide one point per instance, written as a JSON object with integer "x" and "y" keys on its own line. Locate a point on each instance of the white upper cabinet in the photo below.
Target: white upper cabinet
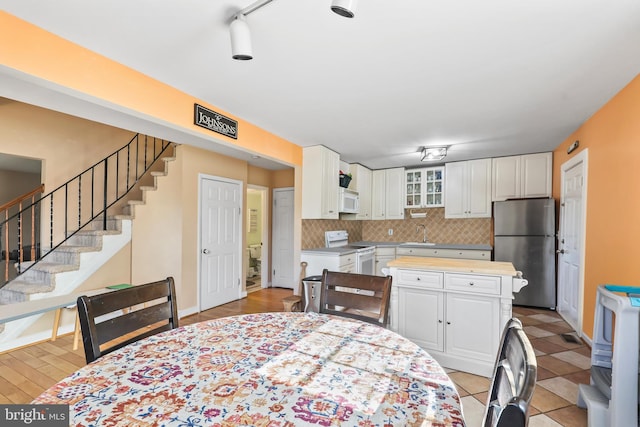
{"x": 537, "y": 172}
{"x": 320, "y": 176}
{"x": 425, "y": 187}
{"x": 387, "y": 193}
{"x": 467, "y": 190}
{"x": 523, "y": 176}
{"x": 361, "y": 182}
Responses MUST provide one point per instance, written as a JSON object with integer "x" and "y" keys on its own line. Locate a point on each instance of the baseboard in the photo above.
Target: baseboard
{"x": 188, "y": 312}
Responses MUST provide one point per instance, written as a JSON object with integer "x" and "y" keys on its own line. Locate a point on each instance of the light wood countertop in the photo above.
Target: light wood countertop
{"x": 457, "y": 265}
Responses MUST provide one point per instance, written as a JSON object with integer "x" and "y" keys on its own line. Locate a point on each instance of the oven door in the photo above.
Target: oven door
{"x": 366, "y": 261}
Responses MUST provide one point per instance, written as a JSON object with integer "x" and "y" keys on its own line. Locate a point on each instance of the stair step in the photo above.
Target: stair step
{"x": 97, "y": 232}
{"x": 155, "y": 173}
{"x": 98, "y": 224}
{"x": 124, "y": 216}
{"x": 52, "y": 267}
{"x": 148, "y": 188}
{"x": 24, "y": 288}
{"x": 77, "y": 248}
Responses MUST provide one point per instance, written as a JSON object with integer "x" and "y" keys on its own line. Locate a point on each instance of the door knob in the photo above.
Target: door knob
{"x": 205, "y": 251}
{"x": 561, "y": 251}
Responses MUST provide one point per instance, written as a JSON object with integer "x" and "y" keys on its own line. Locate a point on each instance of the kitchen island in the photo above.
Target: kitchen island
{"x": 454, "y": 308}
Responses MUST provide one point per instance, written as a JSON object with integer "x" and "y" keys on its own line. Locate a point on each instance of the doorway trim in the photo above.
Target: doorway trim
{"x": 265, "y": 281}
{"x": 201, "y": 178}
{"x": 276, "y": 264}
{"x": 583, "y": 157}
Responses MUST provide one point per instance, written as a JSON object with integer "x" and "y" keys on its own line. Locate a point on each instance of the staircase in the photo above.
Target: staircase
{"x": 77, "y": 257}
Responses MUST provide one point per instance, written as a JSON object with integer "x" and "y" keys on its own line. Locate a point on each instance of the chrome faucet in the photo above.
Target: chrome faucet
{"x": 424, "y": 232}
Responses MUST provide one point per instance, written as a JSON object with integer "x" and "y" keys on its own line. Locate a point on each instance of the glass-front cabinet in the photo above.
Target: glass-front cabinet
{"x": 425, "y": 187}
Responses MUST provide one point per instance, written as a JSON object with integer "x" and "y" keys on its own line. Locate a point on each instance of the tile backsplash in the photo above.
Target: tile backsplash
{"x": 470, "y": 231}
{"x": 313, "y": 231}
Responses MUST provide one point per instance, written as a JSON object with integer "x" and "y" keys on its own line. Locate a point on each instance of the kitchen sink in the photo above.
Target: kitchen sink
{"x": 418, "y": 244}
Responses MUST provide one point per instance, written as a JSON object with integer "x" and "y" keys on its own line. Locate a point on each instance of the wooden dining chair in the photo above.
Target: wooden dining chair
{"x": 358, "y": 296}
{"x": 131, "y": 314}
{"x": 296, "y": 302}
{"x": 513, "y": 381}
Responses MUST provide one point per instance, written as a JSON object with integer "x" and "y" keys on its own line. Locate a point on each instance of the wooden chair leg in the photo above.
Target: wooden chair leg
{"x": 76, "y": 333}
{"x": 56, "y": 324}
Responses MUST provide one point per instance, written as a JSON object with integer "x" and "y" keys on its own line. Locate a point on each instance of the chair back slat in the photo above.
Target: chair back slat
{"x": 358, "y": 296}
{"x": 352, "y": 300}
{"x": 112, "y": 301}
{"x": 130, "y": 322}
{"x": 513, "y": 381}
{"x": 114, "y": 319}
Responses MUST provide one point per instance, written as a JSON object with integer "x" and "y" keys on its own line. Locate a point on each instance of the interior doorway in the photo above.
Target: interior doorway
{"x": 282, "y": 260}
{"x": 220, "y": 231}
{"x": 257, "y": 238}
{"x": 571, "y": 251}
{"x": 20, "y": 185}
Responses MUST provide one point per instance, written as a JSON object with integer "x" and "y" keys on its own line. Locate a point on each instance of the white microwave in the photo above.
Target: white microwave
{"x": 348, "y": 201}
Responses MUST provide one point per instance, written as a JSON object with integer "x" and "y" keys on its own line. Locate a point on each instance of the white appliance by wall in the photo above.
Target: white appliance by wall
{"x": 338, "y": 255}
{"x": 349, "y": 201}
{"x": 365, "y": 255}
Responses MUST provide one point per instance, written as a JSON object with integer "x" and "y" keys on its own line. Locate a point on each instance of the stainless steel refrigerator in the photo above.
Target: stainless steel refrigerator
{"x": 524, "y": 234}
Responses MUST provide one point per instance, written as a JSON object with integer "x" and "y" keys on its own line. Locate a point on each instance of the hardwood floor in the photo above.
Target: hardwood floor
{"x": 25, "y": 373}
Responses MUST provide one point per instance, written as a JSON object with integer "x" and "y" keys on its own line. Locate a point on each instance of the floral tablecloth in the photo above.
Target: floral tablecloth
{"x": 268, "y": 369}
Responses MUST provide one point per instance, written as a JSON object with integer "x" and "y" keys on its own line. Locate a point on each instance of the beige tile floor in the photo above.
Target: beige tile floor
{"x": 562, "y": 366}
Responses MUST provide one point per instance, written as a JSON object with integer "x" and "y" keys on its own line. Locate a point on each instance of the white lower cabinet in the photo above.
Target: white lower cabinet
{"x": 316, "y": 262}
{"x": 384, "y": 255}
{"x": 471, "y": 325}
{"x": 445, "y": 253}
{"x": 422, "y": 317}
{"x": 457, "y": 318}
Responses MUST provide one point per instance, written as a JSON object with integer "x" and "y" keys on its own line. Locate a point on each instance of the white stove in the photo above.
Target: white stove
{"x": 365, "y": 255}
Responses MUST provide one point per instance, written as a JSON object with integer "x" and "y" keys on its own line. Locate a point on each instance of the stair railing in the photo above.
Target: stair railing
{"x": 60, "y": 214}
{"x": 5, "y": 212}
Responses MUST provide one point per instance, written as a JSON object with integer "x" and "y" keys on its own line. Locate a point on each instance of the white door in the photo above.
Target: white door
{"x": 282, "y": 237}
{"x": 220, "y": 241}
{"x": 571, "y": 239}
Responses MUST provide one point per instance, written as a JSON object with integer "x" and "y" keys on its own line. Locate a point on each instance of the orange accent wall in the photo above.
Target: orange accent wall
{"x": 612, "y": 241}
{"x": 39, "y": 53}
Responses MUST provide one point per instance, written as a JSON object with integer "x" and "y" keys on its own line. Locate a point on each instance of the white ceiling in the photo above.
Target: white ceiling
{"x": 487, "y": 78}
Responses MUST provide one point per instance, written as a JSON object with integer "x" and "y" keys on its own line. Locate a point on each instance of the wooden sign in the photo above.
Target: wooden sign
{"x": 216, "y": 122}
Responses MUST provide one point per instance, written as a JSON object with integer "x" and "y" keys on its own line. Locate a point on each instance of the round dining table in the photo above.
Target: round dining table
{"x": 266, "y": 369}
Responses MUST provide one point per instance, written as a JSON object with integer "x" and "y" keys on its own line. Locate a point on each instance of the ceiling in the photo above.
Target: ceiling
{"x": 490, "y": 78}
{"x": 19, "y": 164}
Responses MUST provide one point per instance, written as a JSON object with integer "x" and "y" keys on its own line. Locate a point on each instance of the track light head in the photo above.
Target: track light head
{"x": 240, "y": 39}
{"x": 344, "y": 7}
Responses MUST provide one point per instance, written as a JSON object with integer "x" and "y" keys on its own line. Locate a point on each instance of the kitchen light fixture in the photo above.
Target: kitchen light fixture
{"x": 433, "y": 154}
{"x": 344, "y": 7}
{"x": 240, "y": 39}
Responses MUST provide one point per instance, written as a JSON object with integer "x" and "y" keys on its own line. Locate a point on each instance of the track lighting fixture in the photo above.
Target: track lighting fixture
{"x": 240, "y": 39}
{"x": 241, "y": 35}
{"x": 344, "y": 7}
